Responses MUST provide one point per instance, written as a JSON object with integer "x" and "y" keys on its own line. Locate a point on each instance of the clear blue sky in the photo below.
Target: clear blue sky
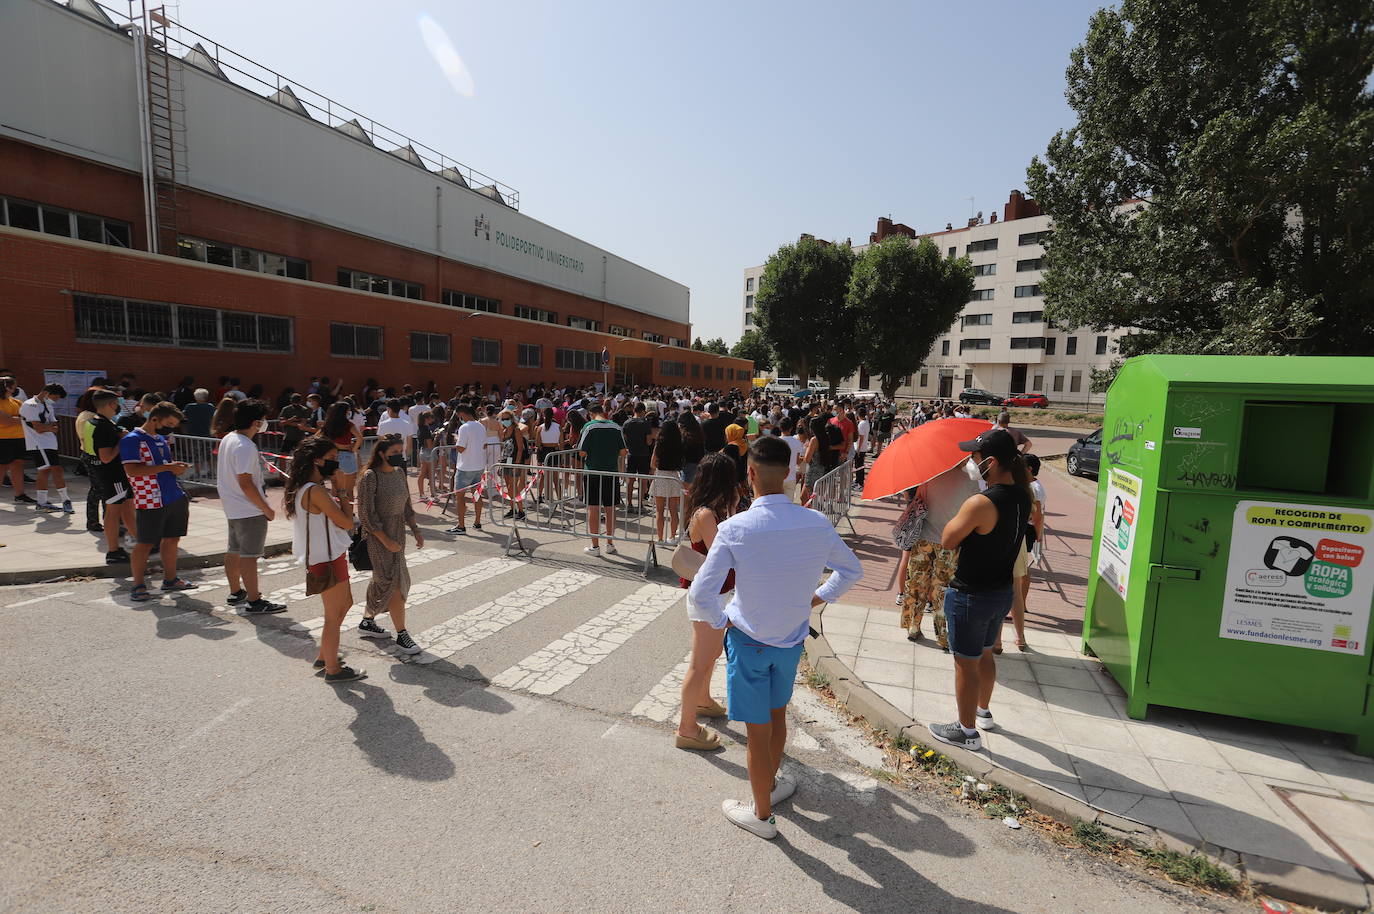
{"x": 694, "y": 138}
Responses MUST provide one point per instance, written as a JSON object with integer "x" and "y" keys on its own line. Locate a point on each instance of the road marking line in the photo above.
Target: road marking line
{"x": 481, "y": 622}
{"x": 664, "y": 701}
{"x": 51, "y": 596}
{"x": 422, "y": 592}
{"x": 561, "y": 663}
{"x": 242, "y": 702}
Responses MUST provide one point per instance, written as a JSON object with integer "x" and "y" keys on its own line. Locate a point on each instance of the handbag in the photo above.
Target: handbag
{"x": 358, "y": 555}
{"x": 317, "y": 581}
{"x": 908, "y": 528}
{"x": 687, "y": 561}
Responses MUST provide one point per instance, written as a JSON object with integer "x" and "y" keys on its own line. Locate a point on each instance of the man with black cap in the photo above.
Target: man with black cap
{"x": 988, "y": 532}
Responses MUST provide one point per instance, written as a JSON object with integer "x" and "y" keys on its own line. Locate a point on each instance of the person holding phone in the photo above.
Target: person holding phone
{"x": 161, "y": 509}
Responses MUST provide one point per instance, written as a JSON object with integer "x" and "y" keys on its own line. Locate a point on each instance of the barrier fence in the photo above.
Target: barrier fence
{"x": 833, "y": 494}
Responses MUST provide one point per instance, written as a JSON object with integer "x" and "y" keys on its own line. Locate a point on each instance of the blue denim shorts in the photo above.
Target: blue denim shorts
{"x": 758, "y": 677}
{"x": 348, "y": 461}
{"x": 974, "y": 620}
{"x": 466, "y": 479}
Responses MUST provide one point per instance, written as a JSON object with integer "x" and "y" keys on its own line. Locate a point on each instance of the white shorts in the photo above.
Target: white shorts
{"x": 693, "y": 614}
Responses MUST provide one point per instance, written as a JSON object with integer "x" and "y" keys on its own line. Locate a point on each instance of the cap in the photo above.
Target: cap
{"x": 995, "y": 442}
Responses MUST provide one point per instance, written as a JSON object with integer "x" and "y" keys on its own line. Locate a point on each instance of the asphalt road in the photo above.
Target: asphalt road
{"x": 176, "y": 756}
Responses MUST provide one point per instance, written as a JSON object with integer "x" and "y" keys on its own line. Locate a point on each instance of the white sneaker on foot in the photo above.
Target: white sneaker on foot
{"x": 610, "y": 548}
{"x": 984, "y": 720}
{"x": 592, "y": 550}
{"x": 742, "y": 814}
{"x": 784, "y": 785}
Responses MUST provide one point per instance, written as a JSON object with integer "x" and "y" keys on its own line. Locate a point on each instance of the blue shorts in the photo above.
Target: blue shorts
{"x": 466, "y": 479}
{"x": 974, "y": 620}
{"x": 348, "y": 462}
{"x": 758, "y": 677}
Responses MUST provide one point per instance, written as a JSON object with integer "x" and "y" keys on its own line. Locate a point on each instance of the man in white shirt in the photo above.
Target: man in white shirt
{"x": 395, "y": 422}
{"x": 775, "y": 549}
{"x": 861, "y": 446}
{"x": 472, "y": 462}
{"x": 788, "y": 427}
{"x": 40, "y": 438}
{"x": 244, "y": 500}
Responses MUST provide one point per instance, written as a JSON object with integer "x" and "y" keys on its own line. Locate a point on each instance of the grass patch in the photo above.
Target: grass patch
{"x": 817, "y": 680}
{"x": 1189, "y": 869}
{"x": 901, "y": 743}
{"x": 1091, "y": 835}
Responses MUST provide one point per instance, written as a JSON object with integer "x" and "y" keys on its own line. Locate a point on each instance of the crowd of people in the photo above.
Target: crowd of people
{"x": 729, "y": 473}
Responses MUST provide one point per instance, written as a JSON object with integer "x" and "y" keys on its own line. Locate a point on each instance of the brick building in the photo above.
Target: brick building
{"x": 163, "y": 211}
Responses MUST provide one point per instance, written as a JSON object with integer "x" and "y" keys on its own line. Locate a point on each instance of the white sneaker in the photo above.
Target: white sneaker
{"x": 592, "y": 550}
{"x": 984, "y": 721}
{"x": 610, "y": 548}
{"x": 742, "y": 814}
{"x": 784, "y": 785}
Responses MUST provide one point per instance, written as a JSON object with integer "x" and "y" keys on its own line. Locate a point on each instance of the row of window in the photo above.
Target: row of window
{"x": 229, "y": 255}
{"x": 990, "y": 244}
{"x": 54, "y": 220}
{"x": 985, "y": 269}
{"x": 109, "y": 319}
{"x": 369, "y": 282}
{"x": 749, "y": 284}
{"x": 1030, "y": 291}
{"x": 1037, "y": 380}
{"x": 1020, "y": 342}
{"x": 582, "y": 323}
{"x": 471, "y": 302}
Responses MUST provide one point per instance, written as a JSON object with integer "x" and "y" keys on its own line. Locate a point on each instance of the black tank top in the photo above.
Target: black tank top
{"x": 986, "y": 559}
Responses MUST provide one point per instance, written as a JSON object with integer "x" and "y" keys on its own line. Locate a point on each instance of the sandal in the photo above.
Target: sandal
{"x": 997, "y": 648}
{"x": 1022, "y": 646}
{"x": 178, "y": 584}
{"x": 705, "y": 740}
{"x": 140, "y": 594}
{"x": 714, "y": 709}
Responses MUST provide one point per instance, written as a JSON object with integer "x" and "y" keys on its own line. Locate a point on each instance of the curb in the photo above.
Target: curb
{"x": 184, "y": 560}
{"x": 1286, "y": 881}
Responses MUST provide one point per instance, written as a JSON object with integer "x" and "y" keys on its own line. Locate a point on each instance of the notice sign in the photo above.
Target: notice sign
{"x": 1299, "y": 575}
{"x": 1119, "y": 516}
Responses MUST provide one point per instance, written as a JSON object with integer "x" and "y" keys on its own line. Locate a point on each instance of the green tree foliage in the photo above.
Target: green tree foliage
{"x": 802, "y": 311}
{"x": 1247, "y": 130}
{"x": 752, "y": 345}
{"x": 698, "y": 345}
{"x": 716, "y": 346}
{"x": 905, "y": 296}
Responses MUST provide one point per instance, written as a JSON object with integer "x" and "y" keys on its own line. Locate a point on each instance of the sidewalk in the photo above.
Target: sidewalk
{"x": 1293, "y": 807}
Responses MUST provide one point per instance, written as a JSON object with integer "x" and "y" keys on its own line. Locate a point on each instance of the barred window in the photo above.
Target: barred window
{"x": 486, "y": 352}
{"x": 428, "y": 347}
{"x": 673, "y": 369}
{"x": 576, "y": 360}
{"x": 367, "y": 282}
{"x": 356, "y": 341}
{"x": 471, "y": 302}
{"x": 696, "y": 370}
{"x": 529, "y": 356}
{"x": 103, "y": 318}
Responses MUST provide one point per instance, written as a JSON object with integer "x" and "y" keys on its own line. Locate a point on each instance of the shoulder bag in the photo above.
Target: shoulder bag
{"x": 687, "y": 561}
{"x": 358, "y": 556}
{"x": 317, "y": 581}
{"x": 909, "y": 526}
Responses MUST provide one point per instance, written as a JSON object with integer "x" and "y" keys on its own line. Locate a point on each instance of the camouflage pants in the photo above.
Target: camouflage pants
{"x": 928, "y": 571}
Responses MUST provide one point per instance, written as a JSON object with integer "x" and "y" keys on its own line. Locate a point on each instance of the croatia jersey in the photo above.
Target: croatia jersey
{"x": 157, "y": 491}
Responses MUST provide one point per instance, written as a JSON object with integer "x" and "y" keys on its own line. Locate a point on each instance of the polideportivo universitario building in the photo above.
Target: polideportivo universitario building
{"x": 171, "y": 208}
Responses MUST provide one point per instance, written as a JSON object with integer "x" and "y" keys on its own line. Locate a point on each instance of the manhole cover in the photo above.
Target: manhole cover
{"x": 1347, "y": 825}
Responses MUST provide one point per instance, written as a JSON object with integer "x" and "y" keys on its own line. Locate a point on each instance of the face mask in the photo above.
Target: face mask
{"x": 974, "y": 471}
{"x": 166, "y": 430}
{"x": 329, "y": 468}
{"x": 397, "y": 460}
{"x": 507, "y": 422}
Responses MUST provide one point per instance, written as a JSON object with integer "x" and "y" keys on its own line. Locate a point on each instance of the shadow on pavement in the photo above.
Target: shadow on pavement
{"x": 390, "y": 740}
{"x": 462, "y": 687}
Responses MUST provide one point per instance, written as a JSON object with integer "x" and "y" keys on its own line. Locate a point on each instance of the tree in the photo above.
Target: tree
{"x": 752, "y": 345}
{"x": 905, "y": 297}
{"x": 801, "y": 310}
{"x": 698, "y": 345}
{"x": 716, "y": 346}
{"x": 1245, "y": 134}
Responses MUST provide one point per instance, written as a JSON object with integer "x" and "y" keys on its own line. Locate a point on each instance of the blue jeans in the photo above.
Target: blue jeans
{"x": 975, "y": 619}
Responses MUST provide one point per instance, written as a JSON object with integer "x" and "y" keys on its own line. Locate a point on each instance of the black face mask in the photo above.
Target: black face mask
{"x": 397, "y": 460}
{"x": 329, "y": 468}
{"x": 166, "y": 430}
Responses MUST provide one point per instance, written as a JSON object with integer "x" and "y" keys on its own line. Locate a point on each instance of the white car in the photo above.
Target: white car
{"x": 781, "y": 386}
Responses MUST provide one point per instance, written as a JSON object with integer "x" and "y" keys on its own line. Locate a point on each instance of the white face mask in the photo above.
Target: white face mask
{"x": 974, "y": 471}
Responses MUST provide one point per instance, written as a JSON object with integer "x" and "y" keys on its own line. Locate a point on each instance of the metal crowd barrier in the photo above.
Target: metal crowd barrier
{"x": 567, "y": 515}
{"x": 833, "y": 494}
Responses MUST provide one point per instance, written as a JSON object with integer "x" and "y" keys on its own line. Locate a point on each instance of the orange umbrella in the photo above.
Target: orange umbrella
{"x": 920, "y": 455}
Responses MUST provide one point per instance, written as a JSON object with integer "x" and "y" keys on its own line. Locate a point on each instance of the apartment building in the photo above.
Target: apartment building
{"x": 1000, "y": 342}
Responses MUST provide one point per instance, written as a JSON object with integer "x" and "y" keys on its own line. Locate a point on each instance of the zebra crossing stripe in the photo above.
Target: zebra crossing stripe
{"x": 664, "y": 701}
{"x": 481, "y": 622}
{"x": 560, "y": 664}
{"x": 424, "y": 591}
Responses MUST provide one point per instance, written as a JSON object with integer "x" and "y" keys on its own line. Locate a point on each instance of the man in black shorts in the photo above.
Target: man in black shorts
{"x": 602, "y": 445}
{"x": 108, "y": 480}
{"x": 638, "y": 442}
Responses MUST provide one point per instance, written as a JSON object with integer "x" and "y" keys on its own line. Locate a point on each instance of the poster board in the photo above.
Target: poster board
{"x": 74, "y": 381}
{"x": 1300, "y": 576}
{"x": 1120, "y": 514}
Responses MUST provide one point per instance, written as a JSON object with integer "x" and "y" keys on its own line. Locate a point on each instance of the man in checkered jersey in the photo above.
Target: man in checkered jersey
{"x": 161, "y": 509}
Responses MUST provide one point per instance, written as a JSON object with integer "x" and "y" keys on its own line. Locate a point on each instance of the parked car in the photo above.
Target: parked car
{"x": 1085, "y": 455}
{"x": 781, "y": 386}
{"x": 978, "y": 395}
{"x": 1037, "y": 401}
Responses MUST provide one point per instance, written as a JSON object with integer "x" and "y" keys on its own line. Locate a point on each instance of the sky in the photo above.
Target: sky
{"x": 696, "y": 138}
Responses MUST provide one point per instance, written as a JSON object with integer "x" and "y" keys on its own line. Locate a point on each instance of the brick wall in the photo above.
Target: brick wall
{"x": 39, "y": 330}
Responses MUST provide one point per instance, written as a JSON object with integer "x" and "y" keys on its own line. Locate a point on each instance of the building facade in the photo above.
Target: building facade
{"x": 255, "y": 231}
{"x": 1001, "y": 342}
{"x": 752, "y": 275}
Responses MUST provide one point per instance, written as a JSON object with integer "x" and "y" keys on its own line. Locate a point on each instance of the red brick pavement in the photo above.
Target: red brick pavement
{"x": 1058, "y": 586}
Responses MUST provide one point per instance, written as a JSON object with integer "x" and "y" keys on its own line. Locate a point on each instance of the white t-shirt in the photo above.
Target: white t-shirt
{"x": 395, "y": 425}
{"x": 864, "y": 428}
{"x": 415, "y": 412}
{"x": 41, "y": 411}
{"x": 549, "y": 437}
{"x": 238, "y": 454}
{"x": 359, "y": 420}
{"x": 797, "y": 447}
{"x": 1038, "y": 491}
{"x": 472, "y": 436}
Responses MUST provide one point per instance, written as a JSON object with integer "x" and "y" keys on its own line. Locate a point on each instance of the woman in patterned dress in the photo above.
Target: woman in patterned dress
{"x": 384, "y": 510}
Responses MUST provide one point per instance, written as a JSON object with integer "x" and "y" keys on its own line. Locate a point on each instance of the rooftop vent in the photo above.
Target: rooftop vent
{"x": 200, "y": 58}
{"x": 407, "y": 153}
{"x": 354, "y": 129}
{"x": 452, "y": 174}
{"x": 90, "y": 10}
{"x": 491, "y": 191}
{"x": 287, "y": 99}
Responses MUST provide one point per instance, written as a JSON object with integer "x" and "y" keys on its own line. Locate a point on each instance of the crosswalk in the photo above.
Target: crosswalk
{"x": 587, "y": 635}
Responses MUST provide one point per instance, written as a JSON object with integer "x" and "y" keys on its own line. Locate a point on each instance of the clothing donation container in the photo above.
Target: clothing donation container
{"x": 1233, "y": 551}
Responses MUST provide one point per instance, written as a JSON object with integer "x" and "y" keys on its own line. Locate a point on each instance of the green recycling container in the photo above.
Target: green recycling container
{"x": 1233, "y": 551}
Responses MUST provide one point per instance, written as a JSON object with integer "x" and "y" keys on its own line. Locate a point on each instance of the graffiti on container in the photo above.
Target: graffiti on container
{"x": 1198, "y": 408}
{"x": 1124, "y": 443}
{"x": 1199, "y": 479}
{"x": 1211, "y": 453}
{"x": 1194, "y": 536}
